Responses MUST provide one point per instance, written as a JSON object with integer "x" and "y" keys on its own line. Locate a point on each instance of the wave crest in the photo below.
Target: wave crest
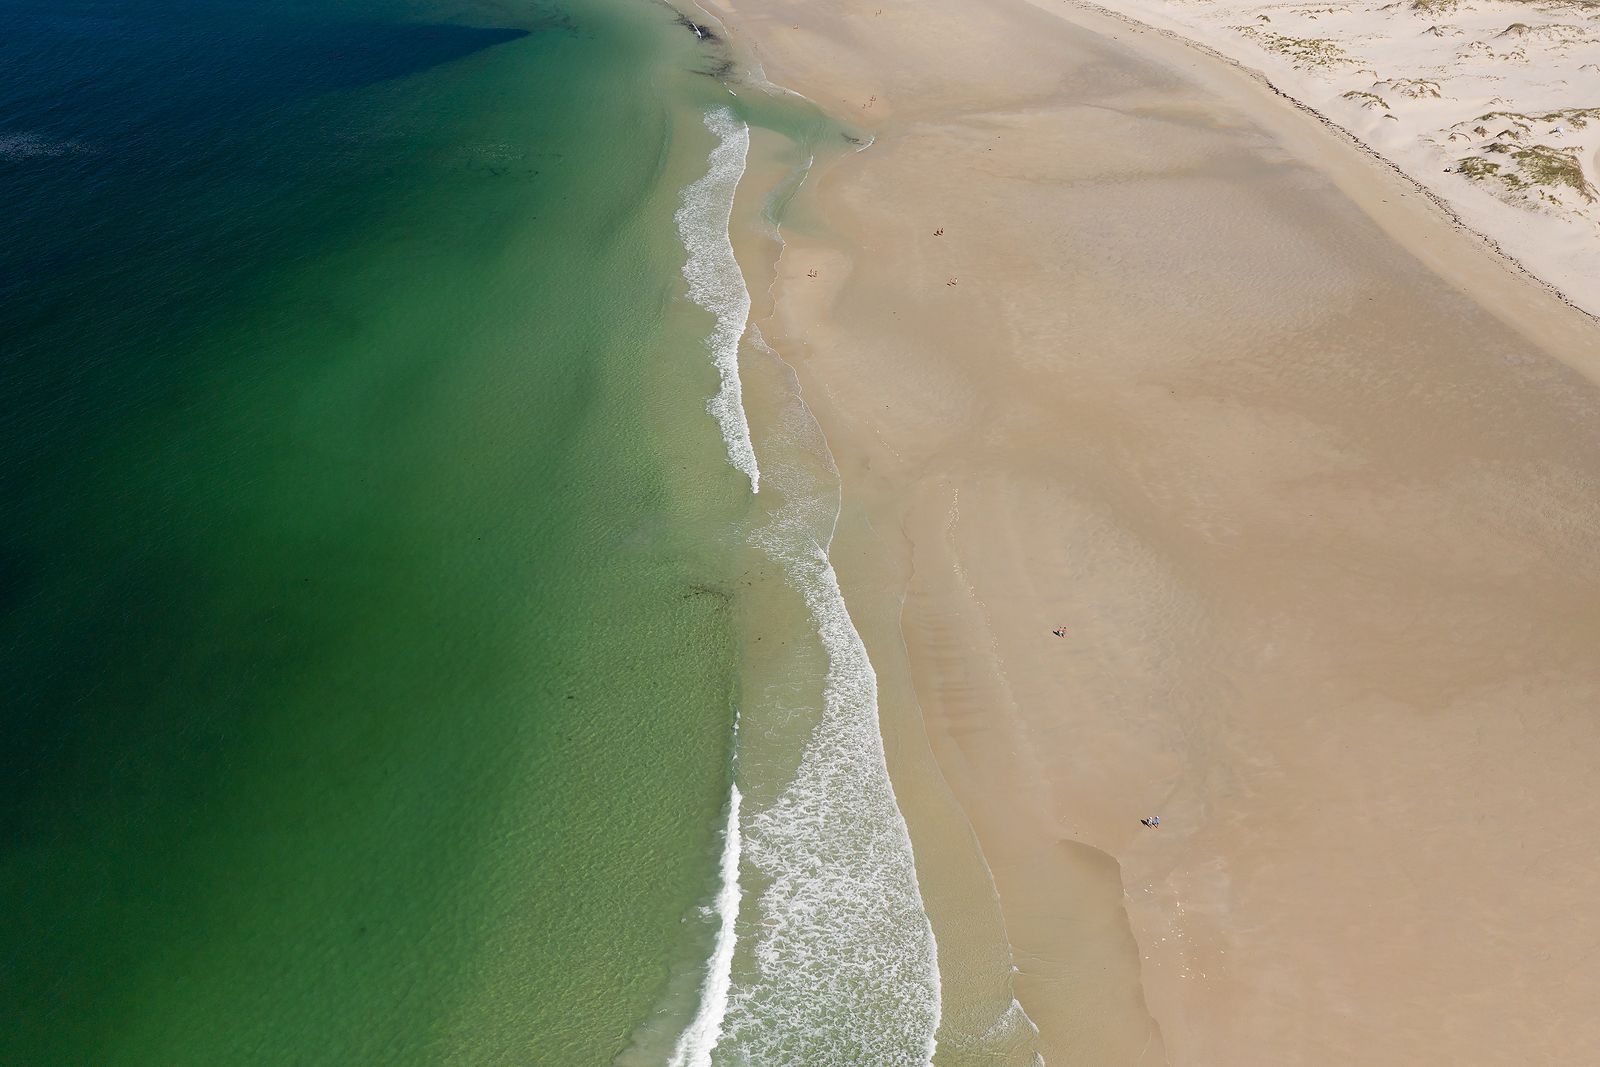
{"x": 715, "y": 281}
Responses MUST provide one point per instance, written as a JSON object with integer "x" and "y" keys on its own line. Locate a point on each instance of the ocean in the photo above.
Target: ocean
{"x": 413, "y": 650}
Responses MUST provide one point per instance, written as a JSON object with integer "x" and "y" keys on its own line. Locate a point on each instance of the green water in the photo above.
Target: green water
{"x": 368, "y": 686}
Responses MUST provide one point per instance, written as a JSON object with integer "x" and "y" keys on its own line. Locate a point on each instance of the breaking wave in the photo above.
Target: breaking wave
{"x": 699, "y": 1039}
{"x": 715, "y": 281}
{"x": 845, "y": 966}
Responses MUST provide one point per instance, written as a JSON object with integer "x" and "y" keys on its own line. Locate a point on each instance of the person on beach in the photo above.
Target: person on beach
{"x": 1154, "y": 822}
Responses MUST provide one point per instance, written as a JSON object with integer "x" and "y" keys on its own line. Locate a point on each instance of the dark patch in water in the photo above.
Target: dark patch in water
{"x": 701, "y": 589}
{"x": 557, "y": 21}
{"x": 722, "y": 69}
{"x": 705, "y": 33}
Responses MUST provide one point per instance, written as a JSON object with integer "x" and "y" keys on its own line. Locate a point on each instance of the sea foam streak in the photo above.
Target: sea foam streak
{"x": 715, "y": 280}
{"x": 698, "y": 1040}
{"x": 846, "y": 965}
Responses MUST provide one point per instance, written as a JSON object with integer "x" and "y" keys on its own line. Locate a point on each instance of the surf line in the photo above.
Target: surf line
{"x": 834, "y": 844}
{"x": 700, "y": 1038}
{"x": 715, "y": 281}
{"x": 846, "y": 965}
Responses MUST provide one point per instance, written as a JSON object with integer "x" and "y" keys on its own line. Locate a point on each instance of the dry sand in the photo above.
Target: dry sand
{"x": 1493, "y": 105}
{"x": 1311, "y": 480}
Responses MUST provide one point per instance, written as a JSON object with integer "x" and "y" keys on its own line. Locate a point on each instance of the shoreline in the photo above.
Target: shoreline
{"x": 818, "y": 861}
{"x": 976, "y": 1008}
{"x": 900, "y": 525}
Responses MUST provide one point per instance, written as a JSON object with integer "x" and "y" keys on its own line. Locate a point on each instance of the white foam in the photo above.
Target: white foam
{"x": 1007, "y": 1023}
{"x": 700, "y": 1038}
{"x": 715, "y": 281}
{"x": 846, "y": 968}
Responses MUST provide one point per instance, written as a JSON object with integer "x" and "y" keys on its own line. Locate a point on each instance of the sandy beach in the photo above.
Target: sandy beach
{"x": 1107, "y": 338}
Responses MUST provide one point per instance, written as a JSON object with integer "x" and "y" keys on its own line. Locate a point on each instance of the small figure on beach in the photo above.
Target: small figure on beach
{"x": 812, "y": 273}
{"x": 1154, "y": 822}
{"x": 1060, "y": 631}
{"x": 939, "y": 232}
{"x": 952, "y": 281}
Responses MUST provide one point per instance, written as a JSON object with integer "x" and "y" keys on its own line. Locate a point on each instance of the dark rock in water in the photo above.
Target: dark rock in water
{"x": 705, "y": 33}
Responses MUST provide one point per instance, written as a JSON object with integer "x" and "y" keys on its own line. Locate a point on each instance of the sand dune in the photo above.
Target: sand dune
{"x": 1493, "y": 105}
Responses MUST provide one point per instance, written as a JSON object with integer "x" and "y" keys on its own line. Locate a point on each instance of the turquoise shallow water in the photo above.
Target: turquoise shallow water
{"x": 370, "y": 676}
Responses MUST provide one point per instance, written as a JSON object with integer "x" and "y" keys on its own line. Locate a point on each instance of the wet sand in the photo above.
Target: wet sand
{"x": 1106, "y": 337}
